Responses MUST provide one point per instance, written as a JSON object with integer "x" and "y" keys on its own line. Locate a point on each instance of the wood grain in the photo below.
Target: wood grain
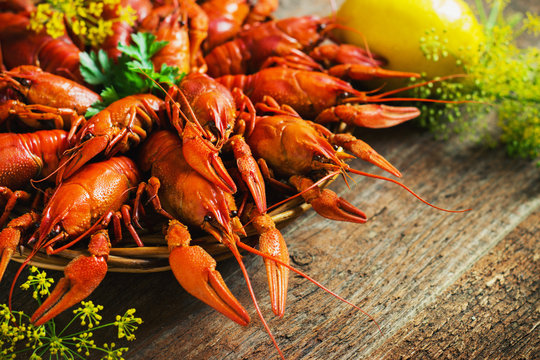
{"x": 441, "y": 285}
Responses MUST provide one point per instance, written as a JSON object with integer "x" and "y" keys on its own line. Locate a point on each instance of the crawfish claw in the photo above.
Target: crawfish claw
{"x": 271, "y": 242}
{"x": 81, "y": 277}
{"x": 196, "y": 271}
{"x": 365, "y": 152}
{"x": 326, "y": 203}
{"x": 373, "y": 116}
{"x": 204, "y": 158}
{"x": 10, "y": 237}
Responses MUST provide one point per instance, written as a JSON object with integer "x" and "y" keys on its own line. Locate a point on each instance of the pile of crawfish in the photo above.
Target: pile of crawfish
{"x": 252, "y": 118}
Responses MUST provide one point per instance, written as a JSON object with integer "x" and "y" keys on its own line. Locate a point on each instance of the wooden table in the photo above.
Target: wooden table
{"x": 440, "y": 285}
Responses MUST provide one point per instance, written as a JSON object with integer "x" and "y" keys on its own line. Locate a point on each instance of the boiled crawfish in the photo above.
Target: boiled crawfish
{"x": 39, "y": 98}
{"x": 80, "y": 206}
{"x": 319, "y": 96}
{"x": 116, "y": 129}
{"x": 180, "y": 193}
{"x": 26, "y": 157}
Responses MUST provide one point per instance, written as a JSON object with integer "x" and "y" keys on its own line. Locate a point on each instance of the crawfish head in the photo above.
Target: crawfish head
{"x": 307, "y": 30}
{"x": 290, "y": 145}
{"x": 212, "y": 104}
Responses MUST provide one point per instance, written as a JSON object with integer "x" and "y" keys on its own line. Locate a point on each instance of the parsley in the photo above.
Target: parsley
{"x": 132, "y": 73}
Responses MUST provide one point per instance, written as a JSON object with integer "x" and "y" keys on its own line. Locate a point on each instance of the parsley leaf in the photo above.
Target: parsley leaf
{"x": 132, "y": 73}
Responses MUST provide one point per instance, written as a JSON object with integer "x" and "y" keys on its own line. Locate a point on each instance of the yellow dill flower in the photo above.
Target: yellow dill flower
{"x": 79, "y": 28}
{"x": 55, "y": 25}
{"x": 95, "y": 8}
{"x": 127, "y": 14}
{"x": 532, "y": 23}
{"x": 84, "y": 17}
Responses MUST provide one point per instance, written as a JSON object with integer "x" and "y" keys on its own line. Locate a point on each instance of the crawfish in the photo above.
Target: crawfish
{"x": 319, "y": 96}
{"x": 80, "y": 206}
{"x": 180, "y": 193}
{"x": 38, "y": 97}
{"x": 299, "y": 150}
{"x": 212, "y": 111}
{"x": 116, "y": 129}
{"x": 227, "y": 17}
{"x": 185, "y": 26}
{"x": 166, "y": 22}
{"x": 24, "y": 157}
{"x": 22, "y": 46}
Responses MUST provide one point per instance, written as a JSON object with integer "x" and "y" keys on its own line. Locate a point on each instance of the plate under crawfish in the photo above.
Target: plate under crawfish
{"x": 153, "y": 257}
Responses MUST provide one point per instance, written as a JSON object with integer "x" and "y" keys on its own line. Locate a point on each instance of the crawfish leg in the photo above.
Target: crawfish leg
{"x": 34, "y": 114}
{"x": 268, "y": 175}
{"x": 12, "y": 198}
{"x": 81, "y": 277}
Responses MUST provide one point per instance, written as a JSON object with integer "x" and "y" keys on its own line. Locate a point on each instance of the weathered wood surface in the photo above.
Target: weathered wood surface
{"x": 441, "y": 285}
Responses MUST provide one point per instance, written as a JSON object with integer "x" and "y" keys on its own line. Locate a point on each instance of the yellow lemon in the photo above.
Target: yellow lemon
{"x": 402, "y": 31}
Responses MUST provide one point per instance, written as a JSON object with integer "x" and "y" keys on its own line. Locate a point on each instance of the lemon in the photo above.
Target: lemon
{"x": 399, "y": 29}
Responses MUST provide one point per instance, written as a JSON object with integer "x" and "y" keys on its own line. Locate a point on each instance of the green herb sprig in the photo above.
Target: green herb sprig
{"x": 132, "y": 73}
{"x": 506, "y": 81}
{"x": 19, "y": 339}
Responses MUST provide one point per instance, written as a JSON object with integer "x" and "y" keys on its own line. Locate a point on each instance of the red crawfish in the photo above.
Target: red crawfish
{"x": 22, "y": 46}
{"x": 39, "y": 98}
{"x": 79, "y": 207}
{"x": 26, "y": 157}
{"x": 227, "y": 17}
{"x": 301, "y": 151}
{"x": 184, "y": 27}
{"x": 319, "y": 96}
{"x": 166, "y": 23}
{"x": 118, "y": 128}
{"x": 210, "y": 112}
{"x": 180, "y": 193}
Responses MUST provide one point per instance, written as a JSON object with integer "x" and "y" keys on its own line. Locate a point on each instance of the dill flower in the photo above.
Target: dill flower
{"x": 83, "y": 17}
{"x": 505, "y": 80}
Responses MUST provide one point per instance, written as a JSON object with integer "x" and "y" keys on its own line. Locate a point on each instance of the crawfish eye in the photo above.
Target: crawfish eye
{"x": 24, "y": 82}
{"x": 317, "y": 158}
{"x": 87, "y": 137}
{"x": 208, "y": 218}
{"x": 321, "y": 27}
{"x": 336, "y": 147}
{"x": 345, "y": 95}
{"x": 234, "y": 213}
{"x": 54, "y": 232}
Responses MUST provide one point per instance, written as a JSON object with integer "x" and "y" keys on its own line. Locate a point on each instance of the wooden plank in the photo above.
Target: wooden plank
{"x": 491, "y": 312}
{"x": 396, "y": 266}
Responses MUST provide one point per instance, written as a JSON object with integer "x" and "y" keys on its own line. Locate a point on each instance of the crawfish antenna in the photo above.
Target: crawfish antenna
{"x": 307, "y": 277}
{"x": 236, "y": 253}
{"x": 358, "y": 172}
